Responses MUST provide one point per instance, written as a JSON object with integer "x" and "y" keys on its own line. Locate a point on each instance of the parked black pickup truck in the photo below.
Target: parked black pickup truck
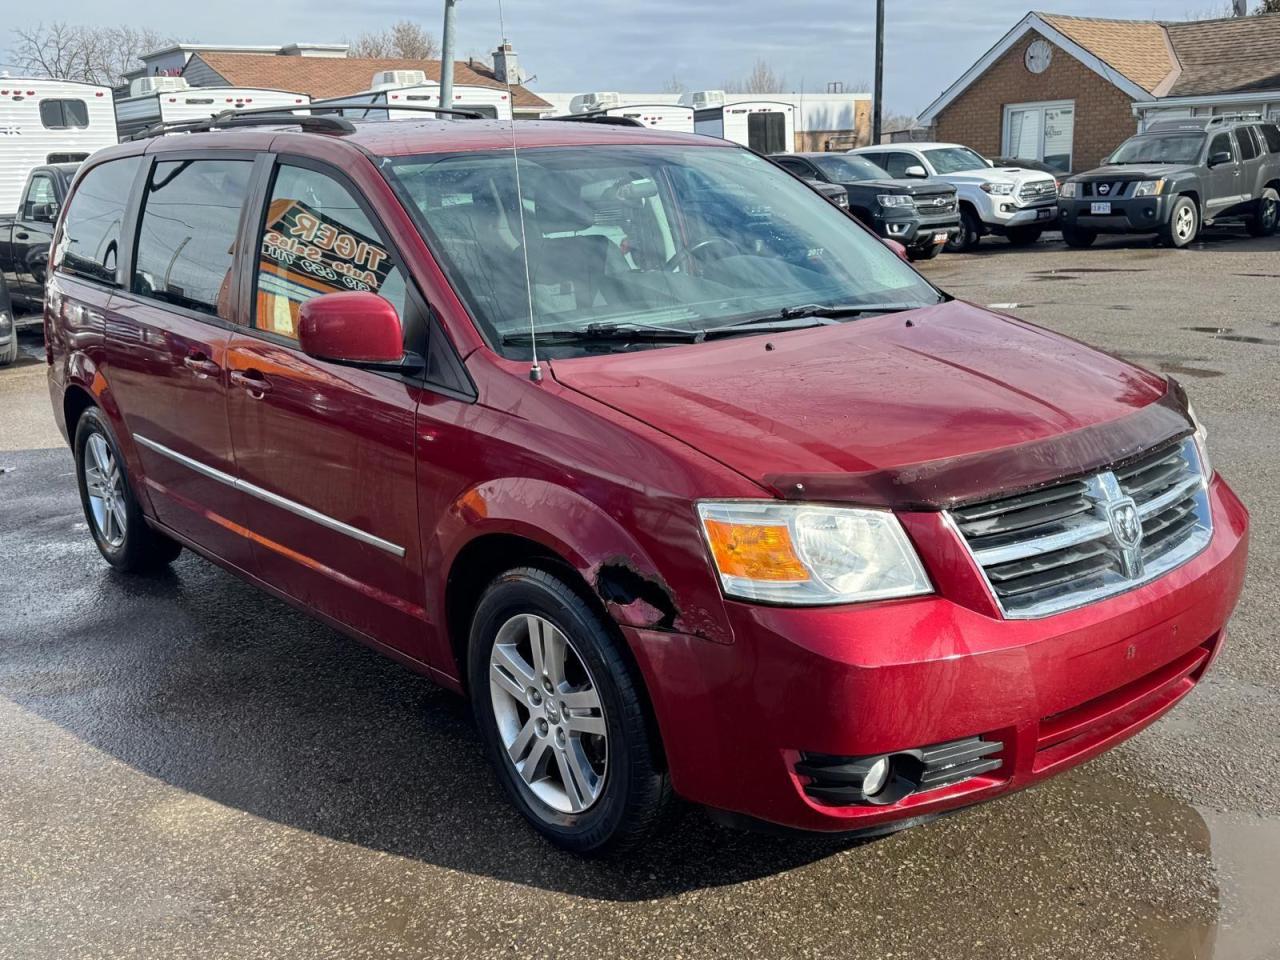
{"x": 24, "y": 250}
{"x": 920, "y": 214}
{"x": 1179, "y": 176}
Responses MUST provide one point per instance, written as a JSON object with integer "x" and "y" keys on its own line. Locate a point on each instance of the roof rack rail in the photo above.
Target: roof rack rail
{"x": 329, "y": 121}
{"x": 598, "y": 116}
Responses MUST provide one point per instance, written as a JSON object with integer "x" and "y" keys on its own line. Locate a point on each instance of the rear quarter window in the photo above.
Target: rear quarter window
{"x": 1271, "y": 136}
{"x": 89, "y": 245}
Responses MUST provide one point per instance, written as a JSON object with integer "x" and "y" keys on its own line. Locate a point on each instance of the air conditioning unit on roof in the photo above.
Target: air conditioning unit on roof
{"x": 389, "y": 79}
{"x": 705, "y": 99}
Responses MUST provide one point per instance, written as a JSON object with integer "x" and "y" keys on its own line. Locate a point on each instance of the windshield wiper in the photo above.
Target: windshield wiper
{"x": 605, "y": 333}
{"x": 787, "y": 317}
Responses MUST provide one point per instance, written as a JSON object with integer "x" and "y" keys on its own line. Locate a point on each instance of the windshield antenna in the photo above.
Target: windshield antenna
{"x": 535, "y": 371}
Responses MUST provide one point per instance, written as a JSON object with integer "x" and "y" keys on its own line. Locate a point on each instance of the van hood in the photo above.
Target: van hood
{"x": 916, "y": 410}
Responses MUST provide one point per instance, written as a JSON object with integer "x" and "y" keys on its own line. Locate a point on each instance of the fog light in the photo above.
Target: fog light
{"x": 876, "y": 777}
{"x": 6, "y": 323}
{"x": 1006, "y": 208}
{"x": 898, "y": 228}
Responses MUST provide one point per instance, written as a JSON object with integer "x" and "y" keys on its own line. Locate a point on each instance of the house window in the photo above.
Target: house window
{"x": 1040, "y": 131}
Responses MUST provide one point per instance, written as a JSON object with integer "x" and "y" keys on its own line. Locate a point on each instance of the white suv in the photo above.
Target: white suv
{"x": 1010, "y": 202}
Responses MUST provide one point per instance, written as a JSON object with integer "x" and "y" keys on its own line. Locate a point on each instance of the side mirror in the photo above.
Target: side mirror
{"x": 915, "y": 170}
{"x": 44, "y": 212}
{"x": 897, "y": 248}
{"x": 1219, "y": 158}
{"x": 357, "y": 328}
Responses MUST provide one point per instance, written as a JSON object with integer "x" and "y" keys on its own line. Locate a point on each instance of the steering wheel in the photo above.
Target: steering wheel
{"x": 687, "y": 254}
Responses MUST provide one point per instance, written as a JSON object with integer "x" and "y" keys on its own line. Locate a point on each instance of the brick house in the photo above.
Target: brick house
{"x": 1067, "y": 90}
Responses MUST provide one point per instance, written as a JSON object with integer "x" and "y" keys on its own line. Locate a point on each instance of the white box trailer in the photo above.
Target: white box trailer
{"x": 389, "y": 90}
{"x": 155, "y": 100}
{"x": 659, "y": 116}
{"x": 48, "y": 121}
{"x": 766, "y": 126}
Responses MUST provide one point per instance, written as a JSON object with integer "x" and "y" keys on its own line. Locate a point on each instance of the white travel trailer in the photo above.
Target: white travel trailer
{"x": 659, "y": 116}
{"x": 48, "y": 121}
{"x": 412, "y": 88}
{"x": 766, "y": 126}
{"x": 155, "y": 100}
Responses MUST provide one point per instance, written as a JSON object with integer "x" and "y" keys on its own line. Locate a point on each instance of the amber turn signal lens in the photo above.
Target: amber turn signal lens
{"x": 754, "y": 552}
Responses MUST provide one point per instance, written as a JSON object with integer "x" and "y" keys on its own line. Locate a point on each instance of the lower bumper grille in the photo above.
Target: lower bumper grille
{"x": 838, "y": 780}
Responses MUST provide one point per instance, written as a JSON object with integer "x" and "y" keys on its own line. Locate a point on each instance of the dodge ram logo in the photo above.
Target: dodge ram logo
{"x": 1126, "y": 527}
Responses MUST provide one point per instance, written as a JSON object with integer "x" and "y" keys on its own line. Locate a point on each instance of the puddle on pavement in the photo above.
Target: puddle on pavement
{"x": 1227, "y": 333}
{"x": 1181, "y": 366}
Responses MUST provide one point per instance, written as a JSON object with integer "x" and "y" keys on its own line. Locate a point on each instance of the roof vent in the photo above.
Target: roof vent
{"x": 704, "y": 99}
{"x": 388, "y": 79}
{"x": 145, "y": 86}
{"x": 589, "y": 102}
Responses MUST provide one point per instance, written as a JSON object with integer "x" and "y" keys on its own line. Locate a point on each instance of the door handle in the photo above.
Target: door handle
{"x": 200, "y": 364}
{"x": 22, "y": 236}
{"x": 251, "y": 380}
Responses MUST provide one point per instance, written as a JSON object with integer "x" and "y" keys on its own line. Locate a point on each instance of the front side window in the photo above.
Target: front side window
{"x": 186, "y": 240}
{"x": 1222, "y": 144}
{"x": 40, "y": 194}
{"x": 954, "y": 160}
{"x": 316, "y": 240}
{"x": 64, "y": 114}
{"x": 1160, "y": 148}
{"x": 89, "y": 244}
{"x": 675, "y": 237}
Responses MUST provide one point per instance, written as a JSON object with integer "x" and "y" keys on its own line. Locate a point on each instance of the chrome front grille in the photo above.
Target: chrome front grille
{"x": 1076, "y": 542}
{"x": 942, "y": 203}
{"x": 1038, "y": 190}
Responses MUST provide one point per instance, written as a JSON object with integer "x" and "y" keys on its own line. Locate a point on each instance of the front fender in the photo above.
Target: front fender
{"x": 605, "y": 554}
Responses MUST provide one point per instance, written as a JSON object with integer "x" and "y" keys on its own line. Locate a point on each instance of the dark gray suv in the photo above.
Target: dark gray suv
{"x": 1177, "y": 177}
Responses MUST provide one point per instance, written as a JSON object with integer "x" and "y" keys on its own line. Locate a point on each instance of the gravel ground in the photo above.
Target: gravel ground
{"x": 190, "y": 769}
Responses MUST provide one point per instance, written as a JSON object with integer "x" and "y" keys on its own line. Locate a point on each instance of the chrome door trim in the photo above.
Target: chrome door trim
{"x": 292, "y": 506}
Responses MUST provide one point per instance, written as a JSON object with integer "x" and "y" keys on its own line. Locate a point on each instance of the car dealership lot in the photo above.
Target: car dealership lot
{"x": 192, "y": 769}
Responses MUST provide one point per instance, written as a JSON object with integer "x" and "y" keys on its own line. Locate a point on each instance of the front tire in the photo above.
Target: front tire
{"x": 111, "y": 510}
{"x": 1023, "y": 236}
{"x": 1077, "y": 238}
{"x": 1183, "y": 225}
{"x": 1266, "y": 216}
{"x": 562, "y": 716}
{"x": 970, "y": 232}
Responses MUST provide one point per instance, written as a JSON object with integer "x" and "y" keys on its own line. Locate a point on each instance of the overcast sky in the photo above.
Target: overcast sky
{"x": 578, "y": 45}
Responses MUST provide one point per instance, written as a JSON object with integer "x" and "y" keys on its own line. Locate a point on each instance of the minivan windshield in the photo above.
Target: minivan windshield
{"x": 955, "y": 160}
{"x": 651, "y": 237}
{"x": 1160, "y": 148}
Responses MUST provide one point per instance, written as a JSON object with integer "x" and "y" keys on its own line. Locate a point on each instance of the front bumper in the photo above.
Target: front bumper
{"x": 915, "y": 230}
{"x": 1131, "y": 215}
{"x": 896, "y": 676}
{"x": 1005, "y": 213}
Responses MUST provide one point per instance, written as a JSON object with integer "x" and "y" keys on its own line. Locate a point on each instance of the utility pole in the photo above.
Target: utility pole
{"x": 446, "y": 56}
{"x": 878, "y": 106}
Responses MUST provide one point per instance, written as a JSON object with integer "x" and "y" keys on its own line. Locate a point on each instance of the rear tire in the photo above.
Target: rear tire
{"x": 567, "y": 732}
{"x": 924, "y": 253}
{"x": 970, "y": 232}
{"x": 1078, "y": 239}
{"x": 1266, "y": 216}
{"x": 111, "y": 510}
{"x": 1183, "y": 225}
{"x": 1024, "y": 236}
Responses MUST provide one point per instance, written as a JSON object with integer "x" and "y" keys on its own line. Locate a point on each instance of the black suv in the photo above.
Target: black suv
{"x": 1176, "y": 177}
{"x": 920, "y": 214}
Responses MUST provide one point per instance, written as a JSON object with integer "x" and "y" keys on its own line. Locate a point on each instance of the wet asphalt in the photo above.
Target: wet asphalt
{"x": 191, "y": 769}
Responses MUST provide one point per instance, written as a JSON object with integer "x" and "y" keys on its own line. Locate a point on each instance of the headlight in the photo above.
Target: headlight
{"x": 895, "y": 200}
{"x": 1148, "y": 188}
{"x": 1202, "y": 444}
{"x": 1068, "y": 189}
{"x": 842, "y": 200}
{"x": 799, "y": 553}
{"x": 999, "y": 189}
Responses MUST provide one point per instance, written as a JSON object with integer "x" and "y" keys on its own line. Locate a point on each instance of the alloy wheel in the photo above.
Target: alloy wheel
{"x": 105, "y": 486}
{"x": 549, "y": 714}
{"x": 1184, "y": 223}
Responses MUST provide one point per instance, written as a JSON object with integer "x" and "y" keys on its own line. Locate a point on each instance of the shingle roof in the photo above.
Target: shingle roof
{"x": 320, "y": 77}
{"x": 1136, "y": 48}
{"x": 1233, "y": 55}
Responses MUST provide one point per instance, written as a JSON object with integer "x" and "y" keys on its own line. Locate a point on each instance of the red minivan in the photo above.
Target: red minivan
{"x": 687, "y": 480}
